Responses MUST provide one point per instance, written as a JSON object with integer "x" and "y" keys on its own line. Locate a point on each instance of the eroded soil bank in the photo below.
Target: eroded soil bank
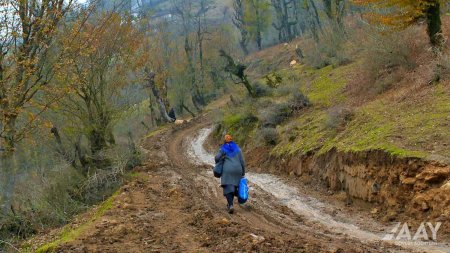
{"x": 407, "y": 189}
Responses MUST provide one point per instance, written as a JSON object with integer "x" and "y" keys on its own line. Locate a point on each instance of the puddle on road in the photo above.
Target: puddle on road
{"x": 306, "y": 206}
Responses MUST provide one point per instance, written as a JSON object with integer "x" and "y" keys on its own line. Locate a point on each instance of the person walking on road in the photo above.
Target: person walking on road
{"x": 233, "y": 170}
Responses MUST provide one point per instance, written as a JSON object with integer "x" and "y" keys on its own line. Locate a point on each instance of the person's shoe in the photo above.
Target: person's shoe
{"x": 230, "y": 209}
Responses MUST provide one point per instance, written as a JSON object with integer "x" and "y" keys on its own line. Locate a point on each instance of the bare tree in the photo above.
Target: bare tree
{"x": 335, "y": 11}
{"x": 28, "y": 63}
{"x": 28, "y": 29}
{"x": 201, "y": 23}
{"x": 257, "y": 15}
{"x": 97, "y": 75}
{"x": 237, "y": 70}
{"x": 185, "y": 9}
{"x": 285, "y": 13}
{"x": 239, "y": 22}
{"x": 152, "y": 85}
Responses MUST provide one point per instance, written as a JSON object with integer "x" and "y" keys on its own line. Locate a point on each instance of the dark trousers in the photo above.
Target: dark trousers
{"x": 230, "y": 198}
{"x": 229, "y": 195}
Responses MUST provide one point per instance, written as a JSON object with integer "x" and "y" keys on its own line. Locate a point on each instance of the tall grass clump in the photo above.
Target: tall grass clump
{"x": 274, "y": 115}
{"x": 239, "y": 123}
{"x": 387, "y": 57}
{"x": 330, "y": 49}
{"x": 268, "y": 136}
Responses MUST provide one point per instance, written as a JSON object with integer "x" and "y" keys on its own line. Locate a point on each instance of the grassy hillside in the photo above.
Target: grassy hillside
{"x": 405, "y": 127}
{"x": 404, "y": 110}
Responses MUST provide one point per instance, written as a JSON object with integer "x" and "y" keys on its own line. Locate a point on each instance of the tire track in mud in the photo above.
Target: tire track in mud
{"x": 307, "y": 207}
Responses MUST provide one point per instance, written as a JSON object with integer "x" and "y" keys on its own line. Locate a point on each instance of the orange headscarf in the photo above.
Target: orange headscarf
{"x": 228, "y": 138}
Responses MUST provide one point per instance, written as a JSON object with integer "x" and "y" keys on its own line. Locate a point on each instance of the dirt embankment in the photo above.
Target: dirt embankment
{"x": 398, "y": 188}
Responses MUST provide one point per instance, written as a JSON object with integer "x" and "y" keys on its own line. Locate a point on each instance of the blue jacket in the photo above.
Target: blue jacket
{"x": 234, "y": 164}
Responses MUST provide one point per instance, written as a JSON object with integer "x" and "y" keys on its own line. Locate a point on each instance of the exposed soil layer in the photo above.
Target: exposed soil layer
{"x": 403, "y": 188}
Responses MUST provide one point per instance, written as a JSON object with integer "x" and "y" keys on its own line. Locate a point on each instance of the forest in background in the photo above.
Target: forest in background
{"x": 81, "y": 84}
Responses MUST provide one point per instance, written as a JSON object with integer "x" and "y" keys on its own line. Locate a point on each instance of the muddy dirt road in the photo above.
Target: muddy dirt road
{"x": 176, "y": 205}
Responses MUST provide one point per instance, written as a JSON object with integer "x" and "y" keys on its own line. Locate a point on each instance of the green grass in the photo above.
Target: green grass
{"x": 369, "y": 130}
{"x": 240, "y": 125}
{"x": 406, "y": 128}
{"x": 401, "y": 129}
{"x": 156, "y": 132}
{"x": 69, "y": 234}
{"x": 323, "y": 86}
{"x": 326, "y": 89}
{"x": 303, "y": 134}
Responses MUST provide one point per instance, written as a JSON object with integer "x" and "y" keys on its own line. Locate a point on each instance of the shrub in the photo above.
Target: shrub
{"x": 338, "y": 117}
{"x": 386, "y": 55}
{"x": 261, "y": 90}
{"x": 103, "y": 182}
{"x": 20, "y": 225}
{"x": 287, "y": 89}
{"x": 442, "y": 67}
{"x": 298, "y": 101}
{"x": 239, "y": 124}
{"x": 275, "y": 115}
{"x": 329, "y": 50}
{"x": 268, "y": 136}
{"x": 236, "y": 120}
{"x": 273, "y": 79}
{"x": 44, "y": 200}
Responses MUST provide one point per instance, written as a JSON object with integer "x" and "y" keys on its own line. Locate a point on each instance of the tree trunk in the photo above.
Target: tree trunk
{"x": 196, "y": 91}
{"x": 316, "y": 15}
{"x": 8, "y": 170}
{"x": 238, "y": 21}
{"x": 328, "y": 8}
{"x": 188, "y": 110}
{"x": 97, "y": 140}
{"x": 10, "y": 131}
{"x": 258, "y": 30}
{"x": 335, "y": 11}
{"x": 162, "y": 107}
{"x": 84, "y": 162}
{"x": 313, "y": 19}
{"x": 259, "y": 40}
{"x": 286, "y": 23}
{"x": 152, "y": 112}
{"x": 200, "y": 34}
{"x": 237, "y": 70}
{"x": 434, "y": 23}
{"x": 61, "y": 149}
{"x": 296, "y": 30}
{"x": 243, "y": 44}
{"x": 248, "y": 86}
{"x": 195, "y": 103}
{"x": 341, "y": 12}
